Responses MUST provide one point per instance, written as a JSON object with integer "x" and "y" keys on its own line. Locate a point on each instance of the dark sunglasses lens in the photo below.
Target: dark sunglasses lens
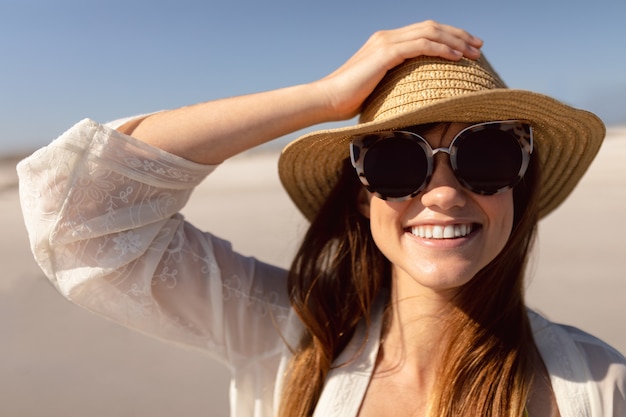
{"x": 489, "y": 160}
{"x": 395, "y": 167}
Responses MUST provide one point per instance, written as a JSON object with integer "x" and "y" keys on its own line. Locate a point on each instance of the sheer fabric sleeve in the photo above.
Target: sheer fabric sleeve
{"x": 102, "y": 214}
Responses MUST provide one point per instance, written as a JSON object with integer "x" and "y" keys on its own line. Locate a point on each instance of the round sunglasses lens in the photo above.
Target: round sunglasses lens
{"x": 395, "y": 167}
{"x": 489, "y": 160}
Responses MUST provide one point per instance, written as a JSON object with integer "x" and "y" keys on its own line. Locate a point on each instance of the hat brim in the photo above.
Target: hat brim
{"x": 567, "y": 140}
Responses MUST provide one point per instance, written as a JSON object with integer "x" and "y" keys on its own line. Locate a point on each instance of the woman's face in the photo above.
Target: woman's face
{"x": 440, "y": 239}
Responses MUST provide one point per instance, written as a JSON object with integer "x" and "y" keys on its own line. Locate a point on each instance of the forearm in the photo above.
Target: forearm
{"x": 213, "y": 131}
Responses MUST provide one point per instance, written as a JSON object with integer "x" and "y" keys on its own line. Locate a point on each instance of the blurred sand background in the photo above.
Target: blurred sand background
{"x": 58, "y": 360}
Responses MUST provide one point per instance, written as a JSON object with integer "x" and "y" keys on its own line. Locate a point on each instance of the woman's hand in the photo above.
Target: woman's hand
{"x": 349, "y": 86}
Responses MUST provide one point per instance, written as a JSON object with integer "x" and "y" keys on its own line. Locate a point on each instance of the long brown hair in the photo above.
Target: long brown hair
{"x": 338, "y": 272}
{"x": 491, "y": 357}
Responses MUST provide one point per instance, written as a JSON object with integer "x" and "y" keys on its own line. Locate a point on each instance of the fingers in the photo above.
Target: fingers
{"x": 426, "y": 38}
{"x": 453, "y": 40}
{"x": 451, "y": 36}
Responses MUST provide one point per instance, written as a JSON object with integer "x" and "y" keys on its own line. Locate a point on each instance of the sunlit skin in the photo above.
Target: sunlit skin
{"x": 438, "y": 267}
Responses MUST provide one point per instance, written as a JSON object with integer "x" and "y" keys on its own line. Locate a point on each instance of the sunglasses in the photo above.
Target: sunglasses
{"x": 486, "y": 158}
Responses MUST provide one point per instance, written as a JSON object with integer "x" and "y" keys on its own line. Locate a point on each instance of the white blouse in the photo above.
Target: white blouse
{"x": 102, "y": 213}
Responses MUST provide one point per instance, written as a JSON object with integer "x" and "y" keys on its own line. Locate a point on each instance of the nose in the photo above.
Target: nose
{"x": 444, "y": 190}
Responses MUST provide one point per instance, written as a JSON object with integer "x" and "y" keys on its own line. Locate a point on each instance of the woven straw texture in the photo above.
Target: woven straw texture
{"x": 426, "y": 90}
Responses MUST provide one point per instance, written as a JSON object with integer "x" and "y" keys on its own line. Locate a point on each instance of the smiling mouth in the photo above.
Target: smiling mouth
{"x": 451, "y": 231}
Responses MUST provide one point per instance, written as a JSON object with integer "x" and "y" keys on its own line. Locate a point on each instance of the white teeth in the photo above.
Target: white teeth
{"x": 450, "y": 231}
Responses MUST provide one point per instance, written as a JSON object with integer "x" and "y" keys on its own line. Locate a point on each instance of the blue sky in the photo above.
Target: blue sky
{"x": 64, "y": 60}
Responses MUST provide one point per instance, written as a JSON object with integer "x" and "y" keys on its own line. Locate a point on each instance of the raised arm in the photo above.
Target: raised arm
{"x": 213, "y": 131}
{"x": 102, "y": 209}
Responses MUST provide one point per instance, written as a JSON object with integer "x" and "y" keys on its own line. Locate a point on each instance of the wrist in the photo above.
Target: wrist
{"x": 331, "y": 107}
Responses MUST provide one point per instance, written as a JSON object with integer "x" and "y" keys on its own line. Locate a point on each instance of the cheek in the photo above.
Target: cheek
{"x": 501, "y": 214}
{"x": 384, "y": 221}
{"x": 376, "y": 214}
{"x": 364, "y": 199}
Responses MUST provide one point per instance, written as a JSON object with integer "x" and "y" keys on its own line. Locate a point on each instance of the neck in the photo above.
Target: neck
{"x": 414, "y": 331}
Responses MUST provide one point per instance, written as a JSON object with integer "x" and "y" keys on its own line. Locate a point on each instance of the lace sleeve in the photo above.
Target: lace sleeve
{"x": 101, "y": 210}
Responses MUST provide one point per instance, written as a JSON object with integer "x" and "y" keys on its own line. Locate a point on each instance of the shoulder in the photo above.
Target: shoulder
{"x": 547, "y": 332}
{"x": 578, "y": 361}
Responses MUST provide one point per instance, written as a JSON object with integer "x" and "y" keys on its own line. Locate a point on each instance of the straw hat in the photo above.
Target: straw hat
{"x": 427, "y": 89}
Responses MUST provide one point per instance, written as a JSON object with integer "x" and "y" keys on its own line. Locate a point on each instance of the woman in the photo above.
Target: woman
{"x": 406, "y": 295}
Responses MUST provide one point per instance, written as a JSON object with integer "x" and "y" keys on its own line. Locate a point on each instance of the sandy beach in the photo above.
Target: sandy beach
{"x": 58, "y": 360}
